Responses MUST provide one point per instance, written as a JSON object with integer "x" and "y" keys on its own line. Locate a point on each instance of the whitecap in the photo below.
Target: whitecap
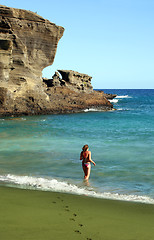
{"x": 92, "y": 110}
{"x": 123, "y": 96}
{"x": 113, "y": 100}
{"x": 97, "y": 110}
{"x": 125, "y": 109}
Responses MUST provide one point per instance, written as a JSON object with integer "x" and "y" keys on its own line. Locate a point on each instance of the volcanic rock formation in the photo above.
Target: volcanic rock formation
{"x": 75, "y": 81}
{"x": 28, "y": 44}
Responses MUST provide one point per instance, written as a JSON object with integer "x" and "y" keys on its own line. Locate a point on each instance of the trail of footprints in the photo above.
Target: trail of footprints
{"x": 73, "y": 218}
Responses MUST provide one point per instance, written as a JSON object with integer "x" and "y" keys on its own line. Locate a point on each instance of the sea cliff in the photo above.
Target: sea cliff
{"x": 28, "y": 44}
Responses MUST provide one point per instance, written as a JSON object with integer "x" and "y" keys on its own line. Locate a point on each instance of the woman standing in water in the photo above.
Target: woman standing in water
{"x": 85, "y": 156}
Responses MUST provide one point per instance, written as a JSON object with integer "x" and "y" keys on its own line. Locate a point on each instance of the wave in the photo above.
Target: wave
{"x": 123, "y": 96}
{"x": 55, "y": 185}
{"x": 14, "y": 119}
{"x": 96, "y": 110}
{"x": 113, "y": 100}
{"x": 92, "y": 110}
{"x": 125, "y": 109}
{"x": 117, "y": 98}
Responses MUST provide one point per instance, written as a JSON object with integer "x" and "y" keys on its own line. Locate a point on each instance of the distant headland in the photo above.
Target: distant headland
{"x": 28, "y": 44}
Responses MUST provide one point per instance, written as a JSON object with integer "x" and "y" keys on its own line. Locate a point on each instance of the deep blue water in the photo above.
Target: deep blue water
{"x": 43, "y": 151}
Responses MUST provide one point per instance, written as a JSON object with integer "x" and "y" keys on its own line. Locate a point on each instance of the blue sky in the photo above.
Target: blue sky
{"x": 110, "y": 40}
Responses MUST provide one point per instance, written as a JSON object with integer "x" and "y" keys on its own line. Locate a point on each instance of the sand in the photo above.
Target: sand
{"x": 29, "y": 215}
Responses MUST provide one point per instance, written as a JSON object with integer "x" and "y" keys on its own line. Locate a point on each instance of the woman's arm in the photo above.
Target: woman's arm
{"x": 91, "y": 159}
{"x": 81, "y": 155}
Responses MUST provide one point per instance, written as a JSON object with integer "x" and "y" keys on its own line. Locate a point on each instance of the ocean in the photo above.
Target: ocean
{"x": 42, "y": 152}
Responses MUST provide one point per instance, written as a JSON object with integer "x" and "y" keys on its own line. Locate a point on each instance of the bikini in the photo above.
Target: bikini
{"x": 86, "y": 164}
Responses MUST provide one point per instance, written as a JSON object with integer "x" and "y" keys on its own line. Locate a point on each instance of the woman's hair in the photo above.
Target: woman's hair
{"x": 85, "y": 147}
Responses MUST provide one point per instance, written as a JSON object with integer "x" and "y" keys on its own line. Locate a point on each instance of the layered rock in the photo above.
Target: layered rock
{"x": 78, "y": 82}
{"x": 28, "y": 44}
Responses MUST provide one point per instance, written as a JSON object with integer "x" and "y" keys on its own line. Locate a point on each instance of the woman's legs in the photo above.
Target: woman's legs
{"x": 86, "y": 171}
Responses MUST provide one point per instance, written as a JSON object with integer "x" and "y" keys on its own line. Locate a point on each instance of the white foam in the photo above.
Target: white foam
{"x": 24, "y": 119}
{"x": 97, "y": 110}
{"x": 125, "y": 109}
{"x": 92, "y": 110}
{"x": 62, "y": 186}
{"x": 113, "y": 100}
{"x": 123, "y": 96}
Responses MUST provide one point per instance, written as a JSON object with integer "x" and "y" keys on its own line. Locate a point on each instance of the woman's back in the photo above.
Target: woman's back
{"x": 85, "y": 156}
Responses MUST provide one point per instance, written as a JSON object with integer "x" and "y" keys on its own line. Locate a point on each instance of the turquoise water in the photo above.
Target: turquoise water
{"x": 42, "y": 152}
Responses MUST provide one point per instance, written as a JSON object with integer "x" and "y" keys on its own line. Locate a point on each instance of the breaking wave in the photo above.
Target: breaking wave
{"x": 123, "y": 96}
{"x": 113, "y": 100}
{"x": 54, "y": 185}
{"x": 92, "y": 110}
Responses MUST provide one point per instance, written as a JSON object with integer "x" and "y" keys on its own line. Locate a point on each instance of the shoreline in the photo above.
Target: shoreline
{"x": 54, "y": 185}
{"x": 57, "y": 112}
{"x": 30, "y": 214}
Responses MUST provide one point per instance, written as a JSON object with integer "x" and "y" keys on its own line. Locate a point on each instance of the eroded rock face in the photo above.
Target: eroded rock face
{"x": 65, "y": 100}
{"x": 28, "y": 44}
{"x": 76, "y": 81}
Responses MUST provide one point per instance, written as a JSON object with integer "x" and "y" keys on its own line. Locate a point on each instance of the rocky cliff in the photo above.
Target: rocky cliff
{"x": 78, "y": 82}
{"x": 28, "y": 44}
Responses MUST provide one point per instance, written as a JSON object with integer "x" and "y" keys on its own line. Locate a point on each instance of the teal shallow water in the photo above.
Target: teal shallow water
{"x": 43, "y": 151}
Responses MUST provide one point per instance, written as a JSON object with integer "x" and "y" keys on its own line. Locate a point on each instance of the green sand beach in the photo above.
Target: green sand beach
{"x": 29, "y": 214}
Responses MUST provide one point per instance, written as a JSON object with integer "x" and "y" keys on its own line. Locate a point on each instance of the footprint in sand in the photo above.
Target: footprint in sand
{"x": 53, "y": 202}
{"x": 81, "y": 225}
{"x": 74, "y": 214}
{"x": 60, "y": 199}
{"x": 77, "y": 231}
{"x": 72, "y": 219}
{"x": 67, "y": 208}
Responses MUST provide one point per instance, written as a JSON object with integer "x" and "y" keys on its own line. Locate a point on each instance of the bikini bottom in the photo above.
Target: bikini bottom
{"x": 86, "y": 165}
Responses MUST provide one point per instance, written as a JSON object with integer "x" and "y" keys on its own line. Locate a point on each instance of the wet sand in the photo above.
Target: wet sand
{"x": 38, "y": 215}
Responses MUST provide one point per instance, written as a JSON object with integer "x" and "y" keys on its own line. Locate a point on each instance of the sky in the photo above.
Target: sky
{"x": 110, "y": 40}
